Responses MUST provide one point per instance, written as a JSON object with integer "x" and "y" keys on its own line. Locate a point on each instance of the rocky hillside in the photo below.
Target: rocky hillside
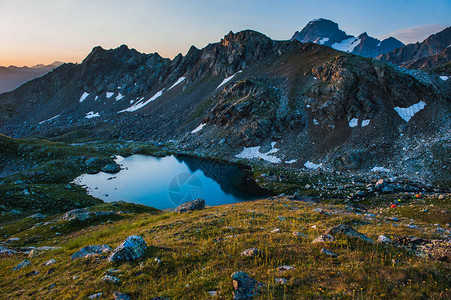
{"x": 248, "y": 97}
{"x": 327, "y": 33}
{"x": 12, "y": 77}
{"x": 432, "y": 52}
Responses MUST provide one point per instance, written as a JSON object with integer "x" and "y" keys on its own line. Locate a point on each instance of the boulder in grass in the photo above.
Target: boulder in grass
{"x": 23, "y": 264}
{"x": 324, "y": 238}
{"x": 91, "y": 250}
{"x": 131, "y": 249}
{"x": 382, "y": 239}
{"x": 120, "y": 296}
{"x": 197, "y": 204}
{"x": 244, "y": 287}
{"x": 251, "y": 252}
{"x": 348, "y": 231}
{"x": 328, "y": 252}
{"x": 110, "y": 279}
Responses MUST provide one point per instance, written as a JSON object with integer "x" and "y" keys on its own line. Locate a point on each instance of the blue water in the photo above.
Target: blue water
{"x": 169, "y": 181}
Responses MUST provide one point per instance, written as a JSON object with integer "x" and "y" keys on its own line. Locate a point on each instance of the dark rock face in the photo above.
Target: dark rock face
{"x": 197, "y": 204}
{"x": 327, "y": 33}
{"x": 429, "y": 53}
{"x": 90, "y": 251}
{"x": 348, "y": 231}
{"x": 131, "y": 249}
{"x": 111, "y": 168}
{"x": 244, "y": 287}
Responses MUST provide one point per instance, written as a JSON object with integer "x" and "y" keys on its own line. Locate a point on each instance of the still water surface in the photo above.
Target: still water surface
{"x": 169, "y": 181}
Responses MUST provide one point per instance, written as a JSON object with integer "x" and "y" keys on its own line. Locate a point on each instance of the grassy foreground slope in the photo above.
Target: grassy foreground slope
{"x": 194, "y": 253}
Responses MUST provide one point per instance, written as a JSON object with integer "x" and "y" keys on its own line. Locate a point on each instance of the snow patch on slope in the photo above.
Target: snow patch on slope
{"x": 380, "y": 169}
{"x": 42, "y": 122}
{"x": 347, "y": 45}
{"x": 444, "y": 78}
{"x": 84, "y": 96}
{"x": 323, "y": 40}
{"x": 91, "y": 115}
{"x": 177, "y": 82}
{"x": 354, "y": 122}
{"x": 406, "y": 113}
{"x": 228, "y": 79}
{"x": 254, "y": 152}
{"x": 141, "y": 104}
{"x": 198, "y": 128}
{"x": 109, "y": 94}
{"x": 119, "y": 97}
{"x": 313, "y": 166}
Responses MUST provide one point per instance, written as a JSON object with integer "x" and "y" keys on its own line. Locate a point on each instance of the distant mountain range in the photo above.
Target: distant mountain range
{"x": 12, "y": 77}
{"x": 327, "y": 33}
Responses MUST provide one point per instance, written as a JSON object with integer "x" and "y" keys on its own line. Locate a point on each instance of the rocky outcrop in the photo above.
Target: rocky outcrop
{"x": 131, "y": 249}
{"x": 435, "y": 249}
{"x": 90, "y": 251}
{"x": 197, "y": 204}
{"x": 347, "y": 231}
{"x": 244, "y": 287}
{"x": 84, "y": 214}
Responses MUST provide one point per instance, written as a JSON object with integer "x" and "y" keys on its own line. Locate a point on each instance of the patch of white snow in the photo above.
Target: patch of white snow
{"x": 313, "y": 166}
{"x": 228, "y": 79}
{"x": 406, "y": 113}
{"x": 254, "y": 152}
{"x": 347, "y": 45}
{"x": 291, "y": 161}
{"x": 84, "y": 96}
{"x": 380, "y": 169}
{"x": 91, "y": 115}
{"x": 354, "y": 122}
{"x": 42, "y": 122}
{"x": 315, "y": 122}
{"x": 365, "y": 123}
{"x": 444, "y": 78}
{"x": 323, "y": 40}
{"x": 177, "y": 82}
{"x": 141, "y": 104}
{"x": 119, "y": 97}
{"x": 198, "y": 128}
{"x": 109, "y": 94}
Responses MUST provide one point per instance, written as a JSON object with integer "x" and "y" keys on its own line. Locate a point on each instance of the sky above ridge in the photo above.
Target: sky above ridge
{"x": 44, "y": 31}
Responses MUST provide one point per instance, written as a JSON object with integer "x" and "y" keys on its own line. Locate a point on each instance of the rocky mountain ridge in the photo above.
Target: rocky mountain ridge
{"x": 247, "y": 97}
{"x": 433, "y": 51}
{"x": 327, "y": 33}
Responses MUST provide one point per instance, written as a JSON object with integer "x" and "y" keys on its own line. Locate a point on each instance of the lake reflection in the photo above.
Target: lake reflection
{"x": 169, "y": 181}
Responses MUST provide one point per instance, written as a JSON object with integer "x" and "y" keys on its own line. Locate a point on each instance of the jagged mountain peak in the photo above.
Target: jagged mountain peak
{"x": 244, "y": 37}
{"x": 326, "y": 32}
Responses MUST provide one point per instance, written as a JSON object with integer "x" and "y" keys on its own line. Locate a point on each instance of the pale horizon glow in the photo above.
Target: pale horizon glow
{"x": 41, "y": 32}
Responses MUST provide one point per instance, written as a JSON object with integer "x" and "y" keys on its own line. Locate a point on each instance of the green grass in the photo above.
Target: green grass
{"x": 194, "y": 262}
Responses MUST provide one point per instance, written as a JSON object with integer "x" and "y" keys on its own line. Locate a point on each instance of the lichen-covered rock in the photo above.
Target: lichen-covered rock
{"x": 110, "y": 279}
{"x": 244, "y": 287}
{"x": 328, "y": 252}
{"x": 197, "y": 204}
{"x": 132, "y": 248}
{"x": 435, "y": 249}
{"x": 324, "y": 238}
{"x": 120, "y": 296}
{"x": 348, "y": 231}
{"x": 251, "y": 252}
{"x": 83, "y": 214}
{"x": 90, "y": 251}
{"x": 382, "y": 239}
{"x": 22, "y": 264}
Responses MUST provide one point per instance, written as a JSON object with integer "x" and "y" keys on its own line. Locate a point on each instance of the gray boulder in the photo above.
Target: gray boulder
{"x": 132, "y": 248}
{"x": 328, "y": 252}
{"x": 120, "y": 296}
{"x": 83, "y": 214}
{"x": 90, "y": 251}
{"x": 197, "y": 204}
{"x": 324, "y": 238}
{"x": 111, "y": 168}
{"x": 348, "y": 231}
{"x": 251, "y": 252}
{"x": 110, "y": 279}
{"x": 22, "y": 264}
{"x": 244, "y": 287}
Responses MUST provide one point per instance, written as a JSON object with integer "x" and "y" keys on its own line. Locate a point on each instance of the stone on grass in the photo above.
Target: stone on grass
{"x": 197, "y": 204}
{"x": 284, "y": 268}
{"x": 328, "y": 252}
{"x": 244, "y": 287}
{"x": 132, "y": 248}
{"x": 83, "y": 214}
{"x": 251, "y": 252}
{"x": 110, "y": 279}
{"x": 95, "y": 296}
{"x": 280, "y": 280}
{"x": 348, "y": 231}
{"x": 384, "y": 240}
{"x": 120, "y": 296}
{"x": 50, "y": 262}
{"x": 22, "y": 264}
{"x": 91, "y": 250}
{"x": 277, "y": 230}
{"x": 213, "y": 293}
{"x": 324, "y": 238}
